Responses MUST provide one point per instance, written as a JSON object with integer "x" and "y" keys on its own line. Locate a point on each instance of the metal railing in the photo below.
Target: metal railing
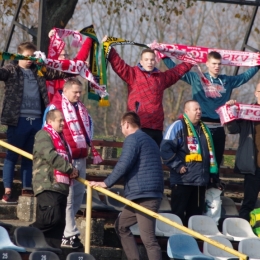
{"x": 131, "y": 204}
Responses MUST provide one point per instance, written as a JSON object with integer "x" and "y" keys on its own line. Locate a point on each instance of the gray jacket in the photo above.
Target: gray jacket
{"x": 245, "y": 162}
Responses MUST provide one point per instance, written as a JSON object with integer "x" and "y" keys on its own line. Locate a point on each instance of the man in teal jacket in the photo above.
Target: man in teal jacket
{"x": 209, "y": 105}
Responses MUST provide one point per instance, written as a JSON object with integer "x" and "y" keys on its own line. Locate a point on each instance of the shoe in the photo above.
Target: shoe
{"x": 71, "y": 242}
{"x": 28, "y": 192}
{"x": 7, "y": 198}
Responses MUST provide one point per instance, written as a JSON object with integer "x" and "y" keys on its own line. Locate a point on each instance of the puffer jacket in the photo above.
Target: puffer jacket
{"x": 45, "y": 160}
{"x": 13, "y": 77}
{"x": 245, "y": 161}
{"x": 146, "y": 88}
{"x": 173, "y": 152}
{"x": 140, "y": 166}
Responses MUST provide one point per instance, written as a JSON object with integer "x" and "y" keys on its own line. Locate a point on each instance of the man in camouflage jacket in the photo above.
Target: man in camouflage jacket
{"x": 24, "y": 102}
{"x": 50, "y": 190}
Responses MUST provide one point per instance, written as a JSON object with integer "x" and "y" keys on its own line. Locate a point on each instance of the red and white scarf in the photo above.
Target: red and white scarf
{"x": 60, "y": 148}
{"x": 238, "y": 111}
{"x": 57, "y": 44}
{"x": 72, "y": 121}
{"x": 195, "y": 55}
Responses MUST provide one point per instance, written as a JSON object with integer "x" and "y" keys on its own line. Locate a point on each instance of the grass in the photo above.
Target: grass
{"x": 229, "y": 161}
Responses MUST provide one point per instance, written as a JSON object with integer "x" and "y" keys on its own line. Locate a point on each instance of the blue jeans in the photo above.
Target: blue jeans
{"x": 21, "y": 136}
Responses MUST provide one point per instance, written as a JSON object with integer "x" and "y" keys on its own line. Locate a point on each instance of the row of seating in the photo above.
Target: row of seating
{"x": 181, "y": 246}
{"x": 43, "y": 255}
{"x": 31, "y": 240}
{"x": 234, "y": 229}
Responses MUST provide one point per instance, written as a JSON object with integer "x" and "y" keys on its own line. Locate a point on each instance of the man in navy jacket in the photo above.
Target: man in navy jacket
{"x": 141, "y": 167}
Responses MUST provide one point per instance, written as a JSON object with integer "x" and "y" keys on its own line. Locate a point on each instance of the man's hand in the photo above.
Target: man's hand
{"x": 51, "y": 33}
{"x": 231, "y": 102}
{"x": 104, "y": 38}
{"x": 74, "y": 174}
{"x": 97, "y": 184}
{"x": 183, "y": 169}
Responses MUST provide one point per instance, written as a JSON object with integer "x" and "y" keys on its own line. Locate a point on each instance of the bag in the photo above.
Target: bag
{"x": 213, "y": 204}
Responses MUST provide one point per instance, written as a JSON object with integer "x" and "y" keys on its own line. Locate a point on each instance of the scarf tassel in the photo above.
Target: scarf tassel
{"x": 97, "y": 158}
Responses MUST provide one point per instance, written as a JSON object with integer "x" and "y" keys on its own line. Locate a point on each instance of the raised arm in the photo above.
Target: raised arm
{"x": 85, "y": 50}
{"x": 236, "y": 81}
{"x": 123, "y": 70}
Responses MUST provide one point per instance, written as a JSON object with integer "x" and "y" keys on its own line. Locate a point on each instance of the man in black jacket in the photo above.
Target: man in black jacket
{"x": 141, "y": 167}
{"x": 247, "y": 157}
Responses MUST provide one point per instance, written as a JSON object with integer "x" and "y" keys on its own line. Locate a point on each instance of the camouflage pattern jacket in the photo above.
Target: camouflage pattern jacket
{"x": 45, "y": 160}
{"x": 13, "y": 77}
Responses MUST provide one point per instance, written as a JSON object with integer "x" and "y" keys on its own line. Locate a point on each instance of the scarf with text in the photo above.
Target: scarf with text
{"x": 193, "y": 145}
{"x": 195, "y": 55}
{"x": 77, "y": 134}
{"x": 238, "y": 111}
{"x": 57, "y": 44}
{"x": 59, "y": 145}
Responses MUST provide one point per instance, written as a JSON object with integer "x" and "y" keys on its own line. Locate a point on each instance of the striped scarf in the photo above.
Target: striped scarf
{"x": 193, "y": 145}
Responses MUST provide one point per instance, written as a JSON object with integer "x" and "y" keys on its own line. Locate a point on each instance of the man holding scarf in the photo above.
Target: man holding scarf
{"x": 52, "y": 174}
{"x": 223, "y": 86}
{"x": 78, "y": 132}
{"x": 247, "y": 156}
{"x": 187, "y": 149}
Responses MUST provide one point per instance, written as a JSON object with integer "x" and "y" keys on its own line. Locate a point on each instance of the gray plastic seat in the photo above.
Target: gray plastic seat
{"x": 117, "y": 205}
{"x": 216, "y": 252}
{"x": 250, "y": 247}
{"x": 32, "y": 239}
{"x": 238, "y": 228}
{"x": 228, "y": 208}
{"x": 6, "y": 243}
{"x": 206, "y": 226}
{"x": 165, "y": 228}
{"x": 79, "y": 256}
{"x": 182, "y": 246}
{"x": 165, "y": 206}
{"x": 46, "y": 255}
{"x": 9, "y": 254}
{"x": 97, "y": 204}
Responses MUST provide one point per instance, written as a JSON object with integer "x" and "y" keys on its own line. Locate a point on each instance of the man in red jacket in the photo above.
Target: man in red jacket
{"x": 146, "y": 85}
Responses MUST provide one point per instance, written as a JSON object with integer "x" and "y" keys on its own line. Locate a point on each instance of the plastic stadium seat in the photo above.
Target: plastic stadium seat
{"x": 6, "y": 243}
{"x": 165, "y": 206}
{"x": 165, "y": 228}
{"x": 182, "y": 246}
{"x": 216, "y": 252}
{"x": 250, "y": 247}
{"x": 228, "y": 208}
{"x": 32, "y": 239}
{"x": 117, "y": 205}
{"x": 45, "y": 255}
{"x": 206, "y": 226}
{"x": 9, "y": 254}
{"x": 97, "y": 204}
{"x": 238, "y": 228}
{"x": 79, "y": 256}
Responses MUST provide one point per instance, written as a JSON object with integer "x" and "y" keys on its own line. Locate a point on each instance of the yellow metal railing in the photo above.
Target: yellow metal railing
{"x": 131, "y": 204}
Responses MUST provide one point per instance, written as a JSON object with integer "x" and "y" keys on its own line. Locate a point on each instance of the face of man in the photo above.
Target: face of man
{"x": 25, "y": 64}
{"x": 73, "y": 93}
{"x": 58, "y": 122}
{"x": 124, "y": 126}
{"x": 63, "y": 55}
{"x": 193, "y": 111}
{"x": 148, "y": 61}
{"x": 257, "y": 93}
{"x": 213, "y": 66}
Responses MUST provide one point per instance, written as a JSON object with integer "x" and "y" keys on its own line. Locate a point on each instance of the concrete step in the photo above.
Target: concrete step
{"x": 8, "y": 211}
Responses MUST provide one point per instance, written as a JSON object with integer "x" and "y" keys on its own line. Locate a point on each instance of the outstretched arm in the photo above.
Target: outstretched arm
{"x": 85, "y": 50}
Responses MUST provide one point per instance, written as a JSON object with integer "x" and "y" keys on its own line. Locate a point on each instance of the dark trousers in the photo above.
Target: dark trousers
{"x": 219, "y": 139}
{"x": 130, "y": 216}
{"x": 187, "y": 201}
{"x": 251, "y": 190}
{"x": 50, "y": 216}
{"x": 156, "y": 135}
